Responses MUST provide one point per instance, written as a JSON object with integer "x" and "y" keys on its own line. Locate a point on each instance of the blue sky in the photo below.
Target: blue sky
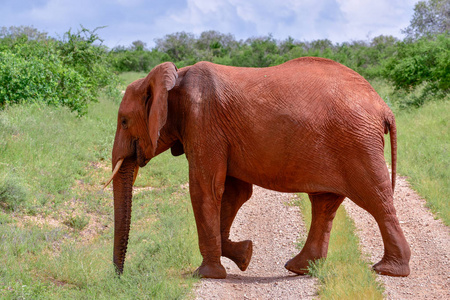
{"x": 131, "y": 20}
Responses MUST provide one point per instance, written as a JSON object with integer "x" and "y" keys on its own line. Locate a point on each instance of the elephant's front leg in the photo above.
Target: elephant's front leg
{"x": 323, "y": 209}
{"x": 236, "y": 193}
{"x": 206, "y": 196}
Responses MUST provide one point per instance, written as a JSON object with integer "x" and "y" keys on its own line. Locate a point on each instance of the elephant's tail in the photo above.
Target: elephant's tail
{"x": 390, "y": 127}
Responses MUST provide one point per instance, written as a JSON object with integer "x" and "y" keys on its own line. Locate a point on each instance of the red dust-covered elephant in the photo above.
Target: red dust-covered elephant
{"x": 309, "y": 125}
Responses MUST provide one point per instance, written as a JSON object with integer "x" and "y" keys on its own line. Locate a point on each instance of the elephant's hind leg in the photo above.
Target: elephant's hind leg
{"x": 324, "y": 208}
{"x": 397, "y": 253}
{"x": 235, "y": 195}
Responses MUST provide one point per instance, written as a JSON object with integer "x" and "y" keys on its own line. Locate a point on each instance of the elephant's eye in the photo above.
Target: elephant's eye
{"x": 124, "y": 123}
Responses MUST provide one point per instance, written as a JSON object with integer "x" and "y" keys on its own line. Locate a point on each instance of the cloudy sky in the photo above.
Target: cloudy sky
{"x": 147, "y": 20}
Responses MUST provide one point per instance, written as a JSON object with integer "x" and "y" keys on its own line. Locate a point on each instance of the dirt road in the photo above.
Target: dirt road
{"x": 428, "y": 238}
{"x": 275, "y": 226}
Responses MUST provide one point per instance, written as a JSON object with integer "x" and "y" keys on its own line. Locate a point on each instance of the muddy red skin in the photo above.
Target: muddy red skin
{"x": 309, "y": 125}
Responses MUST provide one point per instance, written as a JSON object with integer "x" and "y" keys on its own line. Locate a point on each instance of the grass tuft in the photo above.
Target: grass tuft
{"x": 13, "y": 191}
{"x": 344, "y": 274}
{"x": 77, "y": 222}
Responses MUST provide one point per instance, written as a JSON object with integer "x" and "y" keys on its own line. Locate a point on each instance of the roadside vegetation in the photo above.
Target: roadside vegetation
{"x": 58, "y": 108}
{"x": 423, "y": 157}
{"x": 424, "y": 141}
{"x": 423, "y": 137}
{"x": 56, "y": 222}
{"x": 344, "y": 274}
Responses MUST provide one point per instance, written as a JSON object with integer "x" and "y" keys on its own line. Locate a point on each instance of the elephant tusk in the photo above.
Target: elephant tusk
{"x": 116, "y": 169}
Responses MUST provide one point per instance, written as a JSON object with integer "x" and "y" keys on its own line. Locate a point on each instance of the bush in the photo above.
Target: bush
{"x": 70, "y": 72}
{"x": 423, "y": 64}
{"x": 41, "y": 80}
{"x": 259, "y": 52}
{"x": 78, "y": 52}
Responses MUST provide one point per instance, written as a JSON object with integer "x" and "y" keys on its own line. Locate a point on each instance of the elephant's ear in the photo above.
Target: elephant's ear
{"x": 159, "y": 82}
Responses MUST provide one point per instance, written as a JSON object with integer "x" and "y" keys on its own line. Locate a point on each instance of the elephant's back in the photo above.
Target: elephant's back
{"x": 307, "y": 90}
{"x": 328, "y": 86}
{"x": 300, "y": 90}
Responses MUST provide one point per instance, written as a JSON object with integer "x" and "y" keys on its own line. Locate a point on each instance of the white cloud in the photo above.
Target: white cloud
{"x": 244, "y": 18}
{"x": 366, "y": 17}
{"x": 130, "y": 20}
{"x": 303, "y": 20}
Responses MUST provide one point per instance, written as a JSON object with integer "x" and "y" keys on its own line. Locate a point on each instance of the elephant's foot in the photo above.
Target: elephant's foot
{"x": 392, "y": 268}
{"x": 211, "y": 270}
{"x": 299, "y": 264}
{"x": 299, "y": 268}
{"x": 239, "y": 252}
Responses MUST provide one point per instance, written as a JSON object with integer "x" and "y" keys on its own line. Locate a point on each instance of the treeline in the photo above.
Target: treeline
{"x": 72, "y": 70}
{"x": 367, "y": 58}
{"x": 408, "y": 64}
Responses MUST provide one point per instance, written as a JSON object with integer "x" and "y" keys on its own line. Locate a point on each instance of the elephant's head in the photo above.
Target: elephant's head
{"x": 142, "y": 115}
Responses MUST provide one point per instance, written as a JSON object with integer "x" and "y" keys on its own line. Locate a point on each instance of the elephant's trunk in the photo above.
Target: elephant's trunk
{"x": 123, "y": 188}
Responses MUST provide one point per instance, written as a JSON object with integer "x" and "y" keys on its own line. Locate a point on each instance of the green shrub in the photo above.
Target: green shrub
{"x": 78, "y": 52}
{"x": 70, "y": 72}
{"x": 424, "y": 65}
{"x": 259, "y": 52}
{"x": 41, "y": 80}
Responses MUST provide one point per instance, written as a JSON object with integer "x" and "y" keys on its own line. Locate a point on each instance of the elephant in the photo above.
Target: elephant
{"x": 309, "y": 125}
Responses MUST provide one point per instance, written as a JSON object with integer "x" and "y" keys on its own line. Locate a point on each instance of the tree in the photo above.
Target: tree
{"x": 430, "y": 17}
{"x": 179, "y": 46}
{"x": 320, "y": 45}
{"x": 138, "y": 45}
{"x": 211, "y": 39}
{"x": 14, "y": 32}
{"x": 287, "y": 45}
{"x": 256, "y": 52}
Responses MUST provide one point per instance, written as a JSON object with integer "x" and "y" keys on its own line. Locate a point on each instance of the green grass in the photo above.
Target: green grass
{"x": 424, "y": 154}
{"x": 128, "y": 77}
{"x": 44, "y": 150}
{"x": 344, "y": 274}
{"x": 423, "y": 148}
{"x": 56, "y": 224}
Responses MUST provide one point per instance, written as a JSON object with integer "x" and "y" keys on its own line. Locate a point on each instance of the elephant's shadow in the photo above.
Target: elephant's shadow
{"x": 239, "y": 279}
{"x": 234, "y": 278}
